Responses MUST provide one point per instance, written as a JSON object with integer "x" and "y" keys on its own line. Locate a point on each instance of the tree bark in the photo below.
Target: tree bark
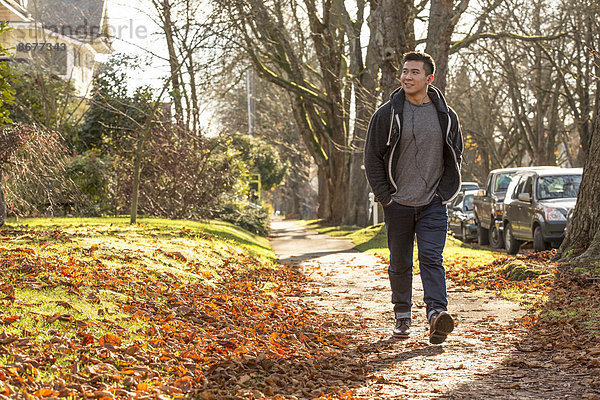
{"x": 443, "y": 17}
{"x": 582, "y": 241}
{"x": 323, "y": 210}
{"x": 365, "y": 98}
{"x": 394, "y": 35}
{"x": 2, "y": 205}
{"x": 164, "y": 9}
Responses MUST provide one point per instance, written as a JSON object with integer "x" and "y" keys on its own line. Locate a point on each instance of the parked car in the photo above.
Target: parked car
{"x": 461, "y": 220}
{"x": 488, "y": 205}
{"x": 469, "y": 186}
{"x": 536, "y": 207}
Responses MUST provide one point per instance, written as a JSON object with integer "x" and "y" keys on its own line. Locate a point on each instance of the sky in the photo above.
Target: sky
{"x": 135, "y": 33}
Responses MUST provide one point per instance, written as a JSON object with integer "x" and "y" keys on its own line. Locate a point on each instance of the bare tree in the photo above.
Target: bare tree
{"x": 364, "y": 81}
{"x": 274, "y": 39}
{"x": 273, "y": 121}
{"x": 185, "y": 29}
{"x": 443, "y": 17}
{"x": 526, "y": 53}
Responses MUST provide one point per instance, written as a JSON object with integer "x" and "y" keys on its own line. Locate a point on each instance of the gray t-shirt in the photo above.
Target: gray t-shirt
{"x": 421, "y": 160}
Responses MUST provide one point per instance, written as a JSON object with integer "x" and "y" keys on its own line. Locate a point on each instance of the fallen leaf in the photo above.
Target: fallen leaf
{"x": 10, "y": 320}
{"x": 44, "y": 392}
{"x": 109, "y": 338}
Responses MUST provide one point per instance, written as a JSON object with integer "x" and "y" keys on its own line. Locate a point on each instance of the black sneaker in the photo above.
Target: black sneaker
{"x": 402, "y": 328}
{"x": 440, "y": 325}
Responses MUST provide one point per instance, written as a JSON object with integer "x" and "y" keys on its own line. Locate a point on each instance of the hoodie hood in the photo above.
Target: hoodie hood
{"x": 398, "y": 97}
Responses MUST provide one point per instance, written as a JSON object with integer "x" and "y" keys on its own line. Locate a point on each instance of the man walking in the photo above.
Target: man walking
{"x": 412, "y": 160}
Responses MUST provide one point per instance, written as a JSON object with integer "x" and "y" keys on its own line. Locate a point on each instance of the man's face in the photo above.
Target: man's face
{"x": 414, "y": 79}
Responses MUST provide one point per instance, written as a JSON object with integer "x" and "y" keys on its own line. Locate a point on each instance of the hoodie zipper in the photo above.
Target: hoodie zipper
{"x": 455, "y": 160}
{"x": 390, "y": 132}
{"x": 393, "y": 149}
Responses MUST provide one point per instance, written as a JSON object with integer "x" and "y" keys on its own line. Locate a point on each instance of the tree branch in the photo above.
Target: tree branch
{"x": 501, "y": 35}
{"x": 458, "y": 11}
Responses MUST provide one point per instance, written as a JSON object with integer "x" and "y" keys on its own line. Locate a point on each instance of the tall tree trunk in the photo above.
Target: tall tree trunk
{"x": 365, "y": 88}
{"x": 582, "y": 241}
{"x": 165, "y": 10}
{"x": 135, "y": 187}
{"x": 194, "y": 106}
{"x": 2, "y": 204}
{"x": 323, "y": 210}
{"x": 394, "y": 35}
{"x": 443, "y": 17}
{"x": 327, "y": 34}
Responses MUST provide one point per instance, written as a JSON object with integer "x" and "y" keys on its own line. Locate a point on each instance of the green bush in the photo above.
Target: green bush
{"x": 255, "y": 220}
{"x": 93, "y": 174}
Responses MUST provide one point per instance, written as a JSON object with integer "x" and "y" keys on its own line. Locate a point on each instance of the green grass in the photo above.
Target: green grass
{"x": 35, "y": 305}
{"x": 578, "y": 312}
{"x": 335, "y": 231}
{"x": 65, "y": 251}
{"x": 525, "y": 300}
{"x": 166, "y": 228}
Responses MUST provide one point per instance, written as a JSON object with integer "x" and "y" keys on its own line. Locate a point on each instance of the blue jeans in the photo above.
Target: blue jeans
{"x": 430, "y": 224}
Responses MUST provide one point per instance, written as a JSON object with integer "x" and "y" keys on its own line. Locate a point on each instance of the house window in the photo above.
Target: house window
{"x": 76, "y": 57}
{"x": 54, "y": 61}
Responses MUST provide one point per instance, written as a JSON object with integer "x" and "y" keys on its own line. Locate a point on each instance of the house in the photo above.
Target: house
{"x": 60, "y": 36}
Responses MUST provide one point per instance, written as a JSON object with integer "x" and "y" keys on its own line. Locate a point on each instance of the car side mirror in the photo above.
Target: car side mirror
{"x": 524, "y": 197}
{"x": 481, "y": 192}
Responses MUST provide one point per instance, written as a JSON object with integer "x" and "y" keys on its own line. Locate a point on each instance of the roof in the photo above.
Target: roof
{"x": 517, "y": 169}
{"x": 558, "y": 171}
{"x": 81, "y": 19}
{"x": 13, "y": 9}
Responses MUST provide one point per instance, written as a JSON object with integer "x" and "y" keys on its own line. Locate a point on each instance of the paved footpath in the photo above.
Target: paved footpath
{"x": 479, "y": 359}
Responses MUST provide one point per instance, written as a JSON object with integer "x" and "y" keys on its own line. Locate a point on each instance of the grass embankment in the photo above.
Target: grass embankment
{"x": 102, "y": 309}
{"x": 564, "y": 303}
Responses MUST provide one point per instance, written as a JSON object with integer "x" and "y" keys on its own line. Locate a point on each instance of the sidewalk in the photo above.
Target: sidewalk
{"x": 356, "y": 284}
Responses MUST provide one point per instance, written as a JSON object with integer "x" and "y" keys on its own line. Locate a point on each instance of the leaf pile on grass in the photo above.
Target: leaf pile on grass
{"x": 528, "y": 273}
{"x": 566, "y": 329}
{"x": 100, "y": 321}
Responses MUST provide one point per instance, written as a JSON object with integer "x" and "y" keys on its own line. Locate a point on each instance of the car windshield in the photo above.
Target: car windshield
{"x": 502, "y": 182}
{"x": 558, "y": 187}
{"x": 468, "y": 202}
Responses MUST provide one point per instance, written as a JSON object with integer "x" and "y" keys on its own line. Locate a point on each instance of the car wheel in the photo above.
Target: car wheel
{"x": 538, "y": 240}
{"x": 463, "y": 232}
{"x": 496, "y": 239}
{"x": 482, "y": 236}
{"x": 511, "y": 244}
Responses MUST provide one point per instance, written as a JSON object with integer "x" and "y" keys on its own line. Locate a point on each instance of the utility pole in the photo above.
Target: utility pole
{"x": 250, "y": 102}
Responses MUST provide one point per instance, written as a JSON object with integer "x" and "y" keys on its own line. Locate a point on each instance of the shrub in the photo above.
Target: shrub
{"x": 93, "y": 174}
{"x": 244, "y": 215}
{"x": 34, "y": 174}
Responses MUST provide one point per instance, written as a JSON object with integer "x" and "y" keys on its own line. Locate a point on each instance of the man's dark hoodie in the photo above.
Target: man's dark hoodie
{"x": 383, "y": 136}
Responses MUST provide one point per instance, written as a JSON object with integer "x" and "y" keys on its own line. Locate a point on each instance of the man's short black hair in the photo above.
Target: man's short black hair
{"x": 428, "y": 63}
